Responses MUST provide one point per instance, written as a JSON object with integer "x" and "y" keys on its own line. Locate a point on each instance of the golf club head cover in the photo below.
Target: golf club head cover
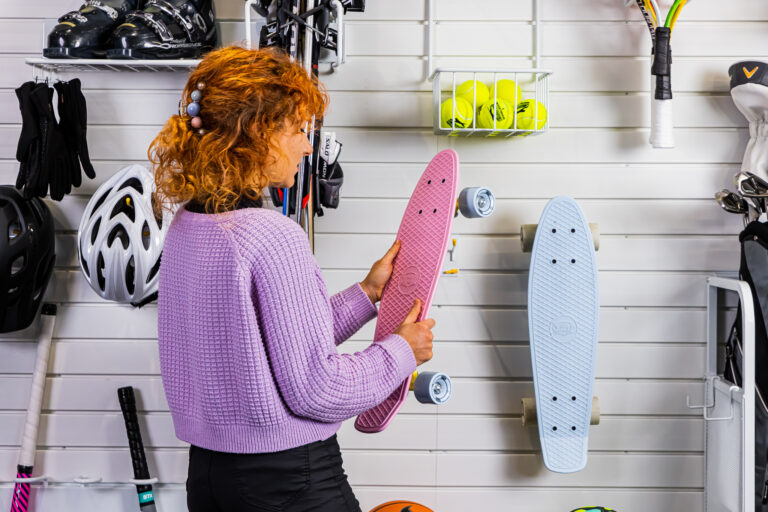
{"x": 749, "y": 90}
{"x": 330, "y": 177}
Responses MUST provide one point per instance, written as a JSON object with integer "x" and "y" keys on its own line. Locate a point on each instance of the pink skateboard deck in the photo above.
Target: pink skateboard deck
{"x": 424, "y": 233}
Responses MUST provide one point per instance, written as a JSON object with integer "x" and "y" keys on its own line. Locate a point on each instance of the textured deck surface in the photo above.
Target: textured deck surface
{"x": 424, "y": 233}
{"x": 563, "y": 321}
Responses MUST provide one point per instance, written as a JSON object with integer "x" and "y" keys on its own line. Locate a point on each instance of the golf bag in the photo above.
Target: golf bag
{"x": 753, "y": 269}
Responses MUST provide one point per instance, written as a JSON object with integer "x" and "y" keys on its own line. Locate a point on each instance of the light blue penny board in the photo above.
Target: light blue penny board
{"x": 563, "y": 312}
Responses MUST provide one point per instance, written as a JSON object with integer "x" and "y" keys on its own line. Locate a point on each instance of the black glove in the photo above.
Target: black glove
{"x": 54, "y": 157}
{"x": 28, "y": 148}
{"x": 68, "y": 125}
{"x": 81, "y": 126}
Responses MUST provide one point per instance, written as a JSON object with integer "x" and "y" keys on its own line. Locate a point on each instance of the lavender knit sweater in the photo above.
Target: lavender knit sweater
{"x": 248, "y": 336}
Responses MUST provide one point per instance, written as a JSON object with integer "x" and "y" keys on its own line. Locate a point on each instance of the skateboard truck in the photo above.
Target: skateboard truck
{"x": 472, "y": 203}
{"x": 528, "y": 233}
{"x": 530, "y": 418}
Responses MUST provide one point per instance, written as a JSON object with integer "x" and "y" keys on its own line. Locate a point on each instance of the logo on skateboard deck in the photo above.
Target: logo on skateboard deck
{"x": 409, "y": 280}
{"x": 563, "y": 329}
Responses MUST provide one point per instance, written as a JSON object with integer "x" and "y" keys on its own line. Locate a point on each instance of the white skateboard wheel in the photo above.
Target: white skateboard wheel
{"x": 432, "y": 388}
{"x": 476, "y": 202}
{"x": 528, "y": 233}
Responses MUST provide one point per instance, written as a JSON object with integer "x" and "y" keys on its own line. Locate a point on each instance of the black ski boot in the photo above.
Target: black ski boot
{"x": 86, "y": 33}
{"x": 166, "y": 29}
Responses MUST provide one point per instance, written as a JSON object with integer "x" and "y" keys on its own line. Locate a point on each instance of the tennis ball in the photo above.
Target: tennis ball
{"x": 467, "y": 91}
{"x": 531, "y": 115}
{"x": 506, "y": 90}
{"x": 500, "y": 109}
{"x": 461, "y": 112}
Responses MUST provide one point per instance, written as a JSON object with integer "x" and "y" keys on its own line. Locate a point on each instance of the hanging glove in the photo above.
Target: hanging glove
{"x": 81, "y": 126}
{"x": 37, "y": 178}
{"x": 28, "y": 148}
{"x": 55, "y": 162}
{"x": 67, "y": 123}
{"x": 749, "y": 90}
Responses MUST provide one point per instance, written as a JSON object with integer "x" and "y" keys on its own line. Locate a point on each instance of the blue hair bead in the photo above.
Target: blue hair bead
{"x": 196, "y": 95}
{"x": 193, "y": 109}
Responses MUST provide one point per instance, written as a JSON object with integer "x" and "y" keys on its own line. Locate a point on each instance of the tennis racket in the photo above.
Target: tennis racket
{"x": 139, "y": 459}
{"x": 661, "y": 83}
{"x": 20, "y": 501}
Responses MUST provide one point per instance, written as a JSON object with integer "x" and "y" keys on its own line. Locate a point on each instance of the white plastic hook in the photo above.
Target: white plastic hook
{"x": 32, "y": 480}
{"x": 148, "y": 481}
{"x": 85, "y": 480}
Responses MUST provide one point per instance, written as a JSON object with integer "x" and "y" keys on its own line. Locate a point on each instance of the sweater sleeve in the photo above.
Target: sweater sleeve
{"x": 351, "y": 309}
{"x": 297, "y": 324}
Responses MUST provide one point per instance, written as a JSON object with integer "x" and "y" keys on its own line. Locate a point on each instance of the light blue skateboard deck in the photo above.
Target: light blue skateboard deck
{"x": 563, "y": 309}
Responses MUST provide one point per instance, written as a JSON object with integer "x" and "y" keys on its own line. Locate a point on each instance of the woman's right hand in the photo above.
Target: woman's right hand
{"x": 418, "y": 334}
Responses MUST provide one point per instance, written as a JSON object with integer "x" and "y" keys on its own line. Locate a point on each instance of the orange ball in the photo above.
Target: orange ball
{"x": 400, "y": 506}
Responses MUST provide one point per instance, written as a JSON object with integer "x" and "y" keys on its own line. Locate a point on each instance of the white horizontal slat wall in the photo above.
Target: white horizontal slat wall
{"x": 661, "y": 236}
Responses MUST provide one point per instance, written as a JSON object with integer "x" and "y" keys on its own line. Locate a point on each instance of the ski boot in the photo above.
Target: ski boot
{"x": 85, "y": 33}
{"x": 166, "y": 29}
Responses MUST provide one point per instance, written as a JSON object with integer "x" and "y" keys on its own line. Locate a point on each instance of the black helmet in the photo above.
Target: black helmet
{"x": 27, "y": 254}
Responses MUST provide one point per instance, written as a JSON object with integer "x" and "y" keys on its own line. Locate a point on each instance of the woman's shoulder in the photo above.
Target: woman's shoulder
{"x": 264, "y": 233}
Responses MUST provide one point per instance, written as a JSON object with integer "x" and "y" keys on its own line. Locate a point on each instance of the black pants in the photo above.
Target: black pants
{"x": 303, "y": 479}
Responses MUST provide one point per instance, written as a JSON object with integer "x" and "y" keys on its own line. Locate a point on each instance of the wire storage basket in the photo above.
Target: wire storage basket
{"x": 520, "y": 109}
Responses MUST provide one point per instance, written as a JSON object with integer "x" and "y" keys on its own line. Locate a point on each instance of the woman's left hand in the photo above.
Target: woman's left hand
{"x": 374, "y": 282}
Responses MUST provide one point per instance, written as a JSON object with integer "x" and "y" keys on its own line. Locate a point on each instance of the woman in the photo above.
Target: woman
{"x": 247, "y": 332}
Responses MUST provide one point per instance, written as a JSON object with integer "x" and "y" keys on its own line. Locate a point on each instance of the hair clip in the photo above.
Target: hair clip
{"x": 193, "y": 108}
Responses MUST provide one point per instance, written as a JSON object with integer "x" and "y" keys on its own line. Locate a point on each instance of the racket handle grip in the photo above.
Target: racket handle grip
{"x": 662, "y": 135}
{"x": 29, "y": 437}
{"x": 128, "y": 406}
{"x": 661, "y": 91}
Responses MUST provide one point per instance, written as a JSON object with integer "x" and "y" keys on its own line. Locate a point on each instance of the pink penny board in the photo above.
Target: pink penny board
{"x": 424, "y": 233}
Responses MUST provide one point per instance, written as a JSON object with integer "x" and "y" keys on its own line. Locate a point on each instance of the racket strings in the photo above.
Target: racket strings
{"x": 647, "y": 9}
{"x": 674, "y": 13}
{"x": 651, "y": 13}
{"x": 647, "y": 17}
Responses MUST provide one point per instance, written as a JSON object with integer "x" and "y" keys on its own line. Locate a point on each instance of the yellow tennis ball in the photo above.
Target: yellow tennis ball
{"x": 501, "y": 110}
{"x": 506, "y": 90}
{"x": 530, "y": 117}
{"x": 467, "y": 91}
{"x": 462, "y": 113}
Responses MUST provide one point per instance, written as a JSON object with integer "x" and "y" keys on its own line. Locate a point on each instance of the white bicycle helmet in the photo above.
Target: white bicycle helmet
{"x": 120, "y": 240}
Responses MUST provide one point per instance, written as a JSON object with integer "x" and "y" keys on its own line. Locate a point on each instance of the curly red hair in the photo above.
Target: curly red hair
{"x": 248, "y": 96}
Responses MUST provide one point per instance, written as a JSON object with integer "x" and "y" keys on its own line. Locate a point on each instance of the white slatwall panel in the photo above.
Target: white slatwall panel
{"x": 662, "y": 236}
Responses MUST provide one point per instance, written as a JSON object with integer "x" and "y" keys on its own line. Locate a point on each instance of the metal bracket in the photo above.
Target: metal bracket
{"x": 710, "y": 382}
{"x": 430, "y": 23}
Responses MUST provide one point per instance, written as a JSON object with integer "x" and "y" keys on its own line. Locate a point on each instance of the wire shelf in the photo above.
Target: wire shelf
{"x": 119, "y": 65}
{"x": 445, "y": 81}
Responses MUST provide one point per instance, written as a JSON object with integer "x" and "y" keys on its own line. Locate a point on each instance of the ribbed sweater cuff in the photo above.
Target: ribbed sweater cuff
{"x": 401, "y": 352}
{"x": 352, "y": 309}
